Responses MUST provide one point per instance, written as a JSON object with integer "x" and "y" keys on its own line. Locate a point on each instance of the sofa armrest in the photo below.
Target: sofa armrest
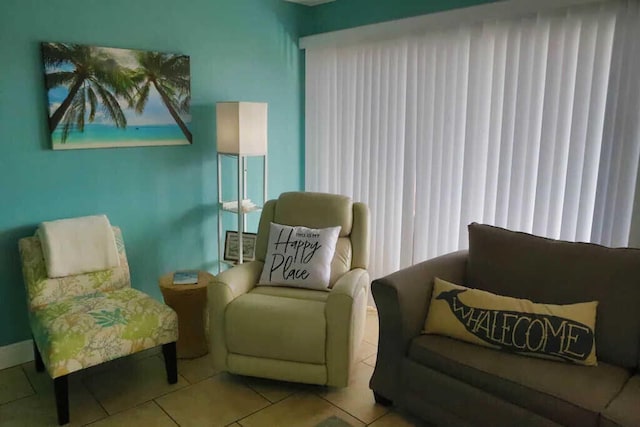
{"x": 226, "y": 287}
{"x": 402, "y": 299}
{"x": 346, "y": 312}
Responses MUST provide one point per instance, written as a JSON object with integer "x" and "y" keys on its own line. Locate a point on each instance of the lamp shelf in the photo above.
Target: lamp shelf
{"x": 230, "y": 263}
{"x": 246, "y": 206}
{"x": 232, "y": 206}
{"x": 241, "y": 133}
{"x": 245, "y": 210}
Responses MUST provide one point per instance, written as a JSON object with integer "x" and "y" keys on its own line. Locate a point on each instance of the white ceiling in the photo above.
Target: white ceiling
{"x": 310, "y": 2}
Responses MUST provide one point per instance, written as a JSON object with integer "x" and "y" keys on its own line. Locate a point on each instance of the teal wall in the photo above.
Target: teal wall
{"x": 343, "y": 14}
{"x": 163, "y": 198}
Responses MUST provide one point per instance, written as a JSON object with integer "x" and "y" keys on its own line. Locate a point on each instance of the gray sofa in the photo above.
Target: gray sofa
{"x": 450, "y": 383}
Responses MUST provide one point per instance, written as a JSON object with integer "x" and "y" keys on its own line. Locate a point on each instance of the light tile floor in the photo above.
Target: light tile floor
{"x": 133, "y": 392}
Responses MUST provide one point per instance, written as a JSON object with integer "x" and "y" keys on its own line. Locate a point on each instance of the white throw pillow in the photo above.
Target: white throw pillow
{"x": 299, "y": 256}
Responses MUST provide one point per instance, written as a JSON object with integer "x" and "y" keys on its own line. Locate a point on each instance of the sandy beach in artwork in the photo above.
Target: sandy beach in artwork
{"x": 108, "y": 97}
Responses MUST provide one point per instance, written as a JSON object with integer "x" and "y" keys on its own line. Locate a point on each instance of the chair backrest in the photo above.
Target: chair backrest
{"x": 41, "y": 290}
{"x": 321, "y": 210}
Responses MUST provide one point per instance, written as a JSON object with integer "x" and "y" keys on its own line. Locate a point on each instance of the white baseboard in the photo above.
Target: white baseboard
{"x": 16, "y": 354}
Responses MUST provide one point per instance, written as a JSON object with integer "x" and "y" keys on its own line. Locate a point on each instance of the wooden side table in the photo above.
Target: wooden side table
{"x": 189, "y": 302}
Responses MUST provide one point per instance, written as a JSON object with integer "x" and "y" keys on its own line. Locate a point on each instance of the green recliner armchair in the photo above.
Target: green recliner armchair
{"x": 292, "y": 334}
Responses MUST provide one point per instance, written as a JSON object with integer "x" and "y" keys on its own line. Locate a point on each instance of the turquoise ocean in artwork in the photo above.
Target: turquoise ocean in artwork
{"x": 102, "y": 133}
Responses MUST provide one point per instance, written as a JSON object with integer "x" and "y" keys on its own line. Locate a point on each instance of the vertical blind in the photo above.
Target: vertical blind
{"x": 530, "y": 124}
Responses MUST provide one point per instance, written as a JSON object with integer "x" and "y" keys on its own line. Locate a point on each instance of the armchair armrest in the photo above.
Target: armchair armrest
{"x": 239, "y": 279}
{"x": 226, "y": 287}
{"x": 402, "y": 299}
{"x": 346, "y": 311}
{"x": 349, "y": 284}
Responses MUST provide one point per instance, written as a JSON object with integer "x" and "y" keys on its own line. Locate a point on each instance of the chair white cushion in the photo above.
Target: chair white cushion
{"x": 279, "y": 328}
{"x": 78, "y": 245}
{"x": 299, "y": 256}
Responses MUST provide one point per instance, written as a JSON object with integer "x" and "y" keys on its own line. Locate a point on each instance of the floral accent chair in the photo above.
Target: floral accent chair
{"x": 87, "y": 319}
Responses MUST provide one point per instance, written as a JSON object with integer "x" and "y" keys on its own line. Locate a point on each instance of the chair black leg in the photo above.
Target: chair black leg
{"x": 61, "y": 388}
{"x": 170, "y": 362}
{"x": 37, "y": 358}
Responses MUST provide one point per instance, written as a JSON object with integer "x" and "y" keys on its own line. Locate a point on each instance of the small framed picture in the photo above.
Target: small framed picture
{"x": 231, "y": 246}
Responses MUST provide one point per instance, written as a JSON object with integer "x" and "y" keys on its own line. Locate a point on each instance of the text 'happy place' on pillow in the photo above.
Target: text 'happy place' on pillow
{"x": 299, "y": 256}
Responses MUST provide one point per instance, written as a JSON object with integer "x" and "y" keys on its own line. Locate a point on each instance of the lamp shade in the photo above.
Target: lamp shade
{"x": 242, "y": 128}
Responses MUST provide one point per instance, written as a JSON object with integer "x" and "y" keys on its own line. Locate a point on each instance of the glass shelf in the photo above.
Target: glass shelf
{"x": 234, "y": 209}
{"x": 232, "y": 205}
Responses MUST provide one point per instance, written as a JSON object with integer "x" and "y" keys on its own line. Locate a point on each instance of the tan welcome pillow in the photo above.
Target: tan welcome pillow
{"x": 559, "y": 332}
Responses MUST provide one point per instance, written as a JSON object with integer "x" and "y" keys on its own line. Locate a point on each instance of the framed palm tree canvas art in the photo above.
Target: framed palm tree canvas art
{"x": 106, "y": 97}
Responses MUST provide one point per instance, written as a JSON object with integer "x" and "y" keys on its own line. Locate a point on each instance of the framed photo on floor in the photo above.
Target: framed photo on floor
{"x": 231, "y": 246}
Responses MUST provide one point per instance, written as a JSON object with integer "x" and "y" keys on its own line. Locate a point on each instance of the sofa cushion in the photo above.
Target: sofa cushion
{"x": 567, "y": 394}
{"x": 549, "y": 271}
{"x": 624, "y": 410}
{"x": 558, "y": 332}
{"x": 276, "y": 327}
{"x": 446, "y": 401}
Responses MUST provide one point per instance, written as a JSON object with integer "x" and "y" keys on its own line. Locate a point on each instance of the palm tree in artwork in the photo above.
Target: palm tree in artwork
{"x": 92, "y": 78}
{"x": 169, "y": 76}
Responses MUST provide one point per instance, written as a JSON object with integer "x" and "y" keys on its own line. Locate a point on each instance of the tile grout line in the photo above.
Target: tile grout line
{"x": 18, "y": 399}
{"x": 264, "y": 396}
{"x": 246, "y": 384}
{"x": 243, "y": 383}
{"x": 116, "y": 413}
{"x": 153, "y": 399}
{"x": 85, "y": 376}
{"x": 141, "y": 403}
{"x": 349, "y": 412}
{"x": 28, "y": 380}
{"x": 82, "y": 381}
{"x": 189, "y": 384}
{"x": 342, "y": 409}
{"x": 197, "y": 381}
{"x": 383, "y": 415}
{"x": 166, "y": 413}
{"x": 262, "y": 409}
